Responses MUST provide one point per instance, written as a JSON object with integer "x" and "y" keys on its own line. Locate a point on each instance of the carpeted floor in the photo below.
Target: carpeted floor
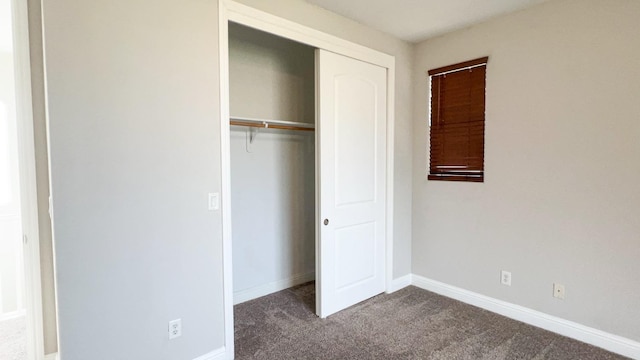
{"x": 409, "y": 324}
{"x": 13, "y": 339}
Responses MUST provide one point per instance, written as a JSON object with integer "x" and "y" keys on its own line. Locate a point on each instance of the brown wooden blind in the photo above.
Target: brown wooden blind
{"x": 457, "y": 121}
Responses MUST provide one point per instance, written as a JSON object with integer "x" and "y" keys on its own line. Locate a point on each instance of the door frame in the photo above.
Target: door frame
{"x": 229, "y": 10}
{"x": 28, "y": 185}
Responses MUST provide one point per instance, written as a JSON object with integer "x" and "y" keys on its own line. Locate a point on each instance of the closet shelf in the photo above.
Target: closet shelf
{"x": 271, "y": 124}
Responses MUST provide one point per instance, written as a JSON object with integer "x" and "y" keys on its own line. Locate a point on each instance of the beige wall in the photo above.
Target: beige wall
{"x": 132, "y": 95}
{"x": 132, "y": 101}
{"x": 270, "y": 77}
{"x": 558, "y": 201}
{"x": 561, "y": 196}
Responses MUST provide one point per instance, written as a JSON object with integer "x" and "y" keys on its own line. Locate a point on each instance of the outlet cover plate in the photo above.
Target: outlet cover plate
{"x": 175, "y": 328}
{"x": 558, "y": 291}
{"x": 505, "y": 278}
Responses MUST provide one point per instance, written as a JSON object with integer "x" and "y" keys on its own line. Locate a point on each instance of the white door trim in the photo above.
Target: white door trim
{"x": 229, "y": 10}
{"x": 28, "y": 189}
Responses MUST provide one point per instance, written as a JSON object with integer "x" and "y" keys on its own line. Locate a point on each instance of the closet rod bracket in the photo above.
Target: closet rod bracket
{"x": 253, "y": 131}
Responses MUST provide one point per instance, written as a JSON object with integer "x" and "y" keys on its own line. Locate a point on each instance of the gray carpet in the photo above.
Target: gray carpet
{"x": 409, "y": 324}
{"x": 13, "y": 339}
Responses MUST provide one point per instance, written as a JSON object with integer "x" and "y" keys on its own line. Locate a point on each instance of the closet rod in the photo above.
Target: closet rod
{"x": 273, "y": 124}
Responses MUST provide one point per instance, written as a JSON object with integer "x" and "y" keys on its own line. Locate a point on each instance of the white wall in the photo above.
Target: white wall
{"x": 328, "y": 22}
{"x": 561, "y": 197}
{"x": 272, "y": 182}
{"x": 132, "y": 91}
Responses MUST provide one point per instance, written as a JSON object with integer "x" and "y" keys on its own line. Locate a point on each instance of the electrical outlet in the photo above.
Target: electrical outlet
{"x": 505, "y": 278}
{"x": 558, "y": 291}
{"x": 175, "y": 328}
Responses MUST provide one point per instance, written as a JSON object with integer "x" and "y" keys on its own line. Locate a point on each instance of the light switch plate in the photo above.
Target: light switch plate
{"x": 214, "y": 201}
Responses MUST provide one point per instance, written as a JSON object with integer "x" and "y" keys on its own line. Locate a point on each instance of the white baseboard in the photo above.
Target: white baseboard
{"x": 611, "y": 342}
{"x": 266, "y": 289}
{"x": 218, "y": 354}
{"x": 399, "y": 283}
{"x": 13, "y": 315}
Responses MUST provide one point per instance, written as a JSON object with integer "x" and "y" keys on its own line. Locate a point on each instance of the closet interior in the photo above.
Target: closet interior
{"x": 272, "y": 107}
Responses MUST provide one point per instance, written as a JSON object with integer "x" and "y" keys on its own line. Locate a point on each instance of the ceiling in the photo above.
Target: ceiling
{"x": 416, "y": 20}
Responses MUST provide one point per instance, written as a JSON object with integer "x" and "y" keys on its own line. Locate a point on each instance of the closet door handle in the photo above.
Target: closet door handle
{"x": 326, "y": 221}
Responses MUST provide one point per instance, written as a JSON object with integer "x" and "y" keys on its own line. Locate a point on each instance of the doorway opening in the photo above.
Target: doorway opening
{"x": 353, "y": 158}
{"x": 13, "y": 323}
{"x": 273, "y": 179}
{"x": 21, "y": 334}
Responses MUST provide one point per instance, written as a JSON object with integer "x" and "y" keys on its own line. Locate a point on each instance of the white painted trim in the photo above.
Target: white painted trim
{"x": 52, "y": 356}
{"x": 399, "y": 283}
{"x": 266, "y": 289}
{"x": 52, "y": 222}
{"x": 391, "y": 86}
{"x": 599, "y": 338}
{"x": 225, "y": 171}
{"x": 248, "y": 16}
{"x": 28, "y": 189}
{"x": 318, "y": 189}
{"x": 218, "y": 354}
{"x": 229, "y": 10}
{"x": 13, "y": 315}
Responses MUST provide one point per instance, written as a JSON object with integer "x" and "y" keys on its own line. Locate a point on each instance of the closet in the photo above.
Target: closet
{"x": 308, "y": 176}
{"x": 273, "y": 167}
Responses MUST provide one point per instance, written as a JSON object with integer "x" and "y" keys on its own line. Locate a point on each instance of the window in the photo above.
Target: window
{"x": 457, "y": 121}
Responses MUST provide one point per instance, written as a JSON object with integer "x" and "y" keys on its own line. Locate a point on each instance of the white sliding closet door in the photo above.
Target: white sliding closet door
{"x": 351, "y": 130}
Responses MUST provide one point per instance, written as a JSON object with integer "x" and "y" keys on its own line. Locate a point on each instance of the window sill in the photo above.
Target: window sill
{"x": 456, "y": 178}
